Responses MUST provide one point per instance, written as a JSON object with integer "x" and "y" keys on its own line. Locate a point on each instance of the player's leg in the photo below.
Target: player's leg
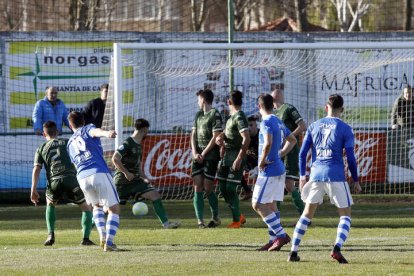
{"x": 155, "y": 197}
{"x": 210, "y": 171}
{"x": 292, "y": 175}
{"x": 233, "y": 179}
{"x": 198, "y": 200}
{"x": 75, "y": 194}
{"x": 92, "y": 198}
{"x": 340, "y": 195}
{"x": 312, "y": 195}
{"x": 248, "y": 193}
{"x": 108, "y": 197}
{"x": 53, "y": 193}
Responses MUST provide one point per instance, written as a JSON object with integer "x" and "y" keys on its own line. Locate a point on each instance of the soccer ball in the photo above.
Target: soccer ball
{"x": 140, "y": 209}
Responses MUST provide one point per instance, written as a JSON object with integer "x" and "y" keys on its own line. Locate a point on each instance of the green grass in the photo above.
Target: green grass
{"x": 381, "y": 242}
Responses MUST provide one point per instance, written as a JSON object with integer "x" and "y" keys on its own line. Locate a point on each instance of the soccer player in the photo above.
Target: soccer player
{"x": 61, "y": 179}
{"x": 327, "y": 138}
{"x": 129, "y": 177}
{"x": 206, "y": 156}
{"x": 235, "y": 142}
{"x": 94, "y": 176}
{"x": 290, "y": 116}
{"x": 270, "y": 183}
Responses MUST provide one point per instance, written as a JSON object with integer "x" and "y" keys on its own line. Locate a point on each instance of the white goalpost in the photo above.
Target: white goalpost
{"x": 158, "y": 82}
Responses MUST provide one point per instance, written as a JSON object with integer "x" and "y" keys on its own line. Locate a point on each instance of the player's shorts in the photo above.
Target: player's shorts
{"x": 291, "y": 161}
{"x": 269, "y": 189}
{"x": 99, "y": 189}
{"x": 68, "y": 185}
{"x": 225, "y": 173}
{"x": 134, "y": 188}
{"x": 338, "y": 192}
{"x": 208, "y": 168}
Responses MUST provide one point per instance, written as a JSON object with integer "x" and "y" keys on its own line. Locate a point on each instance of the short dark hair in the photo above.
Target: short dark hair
{"x": 105, "y": 85}
{"x": 336, "y": 101}
{"x": 50, "y": 128}
{"x": 141, "y": 123}
{"x": 252, "y": 119}
{"x": 266, "y": 101}
{"x": 76, "y": 119}
{"x": 236, "y": 97}
{"x": 207, "y": 95}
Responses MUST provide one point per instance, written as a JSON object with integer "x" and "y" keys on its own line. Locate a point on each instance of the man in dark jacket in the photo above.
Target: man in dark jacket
{"x": 94, "y": 110}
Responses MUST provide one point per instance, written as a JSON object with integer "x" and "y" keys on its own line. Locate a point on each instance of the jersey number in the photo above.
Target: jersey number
{"x": 325, "y": 132}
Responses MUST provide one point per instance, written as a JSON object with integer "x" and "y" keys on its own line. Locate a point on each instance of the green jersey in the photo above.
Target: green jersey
{"x": 204, "y": 125}
{"x": 131, "y": 154}
{"x": 289, "y": 115}
{"x": 54, "y": 156}
{"x": 236, "y": 124}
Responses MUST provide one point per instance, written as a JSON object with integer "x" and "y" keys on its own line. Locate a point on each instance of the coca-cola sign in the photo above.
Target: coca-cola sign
{"x": 167, "y": 159}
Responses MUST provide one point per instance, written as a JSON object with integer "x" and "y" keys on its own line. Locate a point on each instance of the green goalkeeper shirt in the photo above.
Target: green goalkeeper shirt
{"x": 54, "y": 156}
{"x": 204, "y": 125}
{"x": 289, "y": 115}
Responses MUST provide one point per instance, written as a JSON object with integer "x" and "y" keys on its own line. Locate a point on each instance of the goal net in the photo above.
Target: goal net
{"x": 159, "y": 82}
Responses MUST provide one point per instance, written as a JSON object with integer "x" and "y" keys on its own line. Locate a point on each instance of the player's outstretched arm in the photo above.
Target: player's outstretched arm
{"x": 306, "y": 145}
{"x": 98, "y": 132}
{"x": 34, "y": 195}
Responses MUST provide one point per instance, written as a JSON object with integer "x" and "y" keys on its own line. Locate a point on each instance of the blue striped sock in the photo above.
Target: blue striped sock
{"x": 99, "y": 219}
{"x": 112, "y": 225}
{"x": 343, "y": 230}
{"x": 300, "y": 229}
{"x": 272, "y": 235}
{"x": 273, "y": 222}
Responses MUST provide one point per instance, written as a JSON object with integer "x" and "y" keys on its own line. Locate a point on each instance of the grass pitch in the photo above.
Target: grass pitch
{"x": 381, "y": 242}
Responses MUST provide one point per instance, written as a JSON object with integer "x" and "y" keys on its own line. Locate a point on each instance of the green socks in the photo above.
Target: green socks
{"x": 198, "y": 202}
{"x": 86, "y": 224}
{"x": 213, "y": 202}
{"x": 50, "y": 218}
{"x": 160, "y": 210}
{"x": 233, "y": 200}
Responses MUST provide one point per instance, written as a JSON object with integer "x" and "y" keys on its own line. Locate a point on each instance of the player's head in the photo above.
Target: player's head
{"x": 76, "y": 120}
{"x": 142, "y": 126}
{"x": 408, "y": 93}
{"x": 51, "y": 93}
{"x": 236, "y": 98}
{"x": 278, "y": 96}
{"x": 205, "y": 96}
{"x": 104, "y": 91}
{"x": 252, "y": 125}
{"x": 265, "y": 102}
{"x": 50, "y": 129}
{"x": 335, "y": 103}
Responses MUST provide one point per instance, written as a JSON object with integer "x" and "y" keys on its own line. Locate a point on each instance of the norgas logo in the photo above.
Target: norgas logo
{"x": 81, "y": 61}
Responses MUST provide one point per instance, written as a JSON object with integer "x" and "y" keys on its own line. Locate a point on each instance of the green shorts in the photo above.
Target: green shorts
{"x": 225, "y": 173}
{"x": 208, "y": 168}
{"x": 134, "y": 188}
{"x": 291, "y": 161}
{"x": 68, "y": 185}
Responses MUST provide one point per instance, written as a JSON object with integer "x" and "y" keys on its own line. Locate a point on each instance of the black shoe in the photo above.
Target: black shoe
{"x": 50, "y": 239}
{"x": 293, "y": 257}
{"x": 86, "y": 241}
{"x": 214, "y": 223}
{"x": 336, "y": 254}
{"x": 201, "y": 225}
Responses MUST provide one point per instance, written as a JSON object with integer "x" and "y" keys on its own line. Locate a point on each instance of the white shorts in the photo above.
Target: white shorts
{"x": 99, "y": 189}
{"x": 269, "y": 189}
{"x": 338, "y": 192}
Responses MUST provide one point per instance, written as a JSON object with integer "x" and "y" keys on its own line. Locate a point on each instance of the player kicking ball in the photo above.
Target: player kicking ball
{"x": 270, "y": 183}
{"x": 130, "y": 179}
{"x": 327, "y": 137}
{"x": 61, "y": 179}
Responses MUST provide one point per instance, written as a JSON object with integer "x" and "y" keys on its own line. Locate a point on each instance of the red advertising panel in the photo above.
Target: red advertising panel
{"x": 167, "y": 159}
{"x": 370, "y": 152}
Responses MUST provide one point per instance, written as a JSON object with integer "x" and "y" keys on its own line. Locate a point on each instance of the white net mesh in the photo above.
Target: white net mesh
{"x": 160, "y": 85}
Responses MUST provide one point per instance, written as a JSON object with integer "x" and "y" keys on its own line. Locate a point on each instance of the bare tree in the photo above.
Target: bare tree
{"x": 24, "y": 15}
{"x": 108, "y": 7}
{"x": 343, "y": 6}
{"x": 242, "y": 11}
{"x": 7, "y": 13}
{"x": 83, "y": 14}
{"x": 199, "y": 13}
{"x": 301, "y": 17}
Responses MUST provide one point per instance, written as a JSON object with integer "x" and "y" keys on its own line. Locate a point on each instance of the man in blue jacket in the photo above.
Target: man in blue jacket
{"x": 50, "y": 108}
